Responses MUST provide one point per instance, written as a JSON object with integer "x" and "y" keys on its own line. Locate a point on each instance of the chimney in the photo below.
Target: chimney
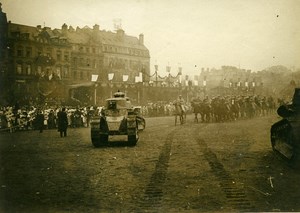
{"x": 96, "y": 27}
{"x": 141, "y": 39}
{"x": 64, "y": 28}
{"x": 120, "y": 34}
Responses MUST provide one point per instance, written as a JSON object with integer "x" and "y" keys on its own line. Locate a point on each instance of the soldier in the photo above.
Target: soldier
{"x": 180, "y": 101}
{"x": 62, "y": 122}
{"x": 40, "y": 121}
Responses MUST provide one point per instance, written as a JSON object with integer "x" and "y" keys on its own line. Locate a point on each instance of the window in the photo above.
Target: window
{"x": 87, "y": 50}
{"x": 75, "y": 62}
{"x": 81, "y": 75}
{"x": 66, "y": 56}
{"x": 58, "y": 72}
{"x": 58, "y": 55}
{"x": 28, "y": 51}
{"x": 75, "y": 74}
{"x": 19, "y": 69}
{"x": 39, "y": 70}
{"x": 94, "y": 50}
{"x": 28, "y": 69}
{"x": 66, "y": 72}
{"x": 19, "y": 52}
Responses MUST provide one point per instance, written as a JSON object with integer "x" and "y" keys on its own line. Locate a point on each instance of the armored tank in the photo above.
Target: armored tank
{"x": 285, "y": 134}
{"x": 117, "y": 122}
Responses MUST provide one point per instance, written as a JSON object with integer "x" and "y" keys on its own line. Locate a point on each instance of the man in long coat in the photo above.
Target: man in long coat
{"x": 62, "y": 122}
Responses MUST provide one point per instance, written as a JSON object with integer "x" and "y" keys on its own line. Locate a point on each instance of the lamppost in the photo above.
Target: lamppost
{"x": 94, "y": 79}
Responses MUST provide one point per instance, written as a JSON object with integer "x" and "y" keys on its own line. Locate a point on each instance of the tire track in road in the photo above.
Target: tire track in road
{"x": 235, "y": 193}
{"x": 153, "y": 194}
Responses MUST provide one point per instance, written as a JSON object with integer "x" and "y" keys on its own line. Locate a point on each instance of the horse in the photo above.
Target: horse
{"x": 196, "y": 104}
{"x": 179, "y": 111}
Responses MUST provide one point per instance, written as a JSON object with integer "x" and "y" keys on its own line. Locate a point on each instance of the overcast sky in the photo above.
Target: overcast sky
{"x": 250, "y": 34}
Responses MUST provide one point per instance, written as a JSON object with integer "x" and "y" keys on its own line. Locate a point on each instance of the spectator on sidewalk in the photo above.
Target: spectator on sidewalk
{"x": 40, "y": 121}
{"x": 62, "y": 122}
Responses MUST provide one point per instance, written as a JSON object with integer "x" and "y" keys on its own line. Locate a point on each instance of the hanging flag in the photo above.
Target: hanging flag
{"x": 253, "y": 84}
{"x": 94, "y": 78}
{"x": 110, "y": 76}
{"x": 196, "y": 83}
{"x": 125, "y": 77}
{"x": 204, "y": 82}
{"x": 139, "y": 78}
{"x": 246, "y": 84}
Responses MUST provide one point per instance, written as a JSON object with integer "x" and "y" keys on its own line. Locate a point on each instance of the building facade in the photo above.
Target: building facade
{"x": 41, "y": 64}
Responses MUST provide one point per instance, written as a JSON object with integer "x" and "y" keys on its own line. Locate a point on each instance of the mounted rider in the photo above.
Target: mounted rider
{"x": 181, "y": 102}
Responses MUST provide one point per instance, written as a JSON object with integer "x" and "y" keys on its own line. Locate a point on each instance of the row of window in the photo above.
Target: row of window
{"x": 92, "y": 50}
{"x": 120, "y": 63}
{"x": 106, "y": 48}
{"x": 125, "y": 50}
{"x": 28, "y": 52}
{"x": 85, "y": 62}
{"x": 47, "y": 72}
{"x": 59, "y": 71}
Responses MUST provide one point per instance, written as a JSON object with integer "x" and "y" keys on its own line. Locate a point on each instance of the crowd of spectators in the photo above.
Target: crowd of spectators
{"x": 24, "y": 118}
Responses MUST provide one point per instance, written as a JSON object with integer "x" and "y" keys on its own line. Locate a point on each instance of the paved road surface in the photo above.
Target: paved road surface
{"x": 189, "y": 168}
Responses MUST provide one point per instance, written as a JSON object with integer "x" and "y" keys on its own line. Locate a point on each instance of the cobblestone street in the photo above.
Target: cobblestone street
{"x": 195, "y": 167}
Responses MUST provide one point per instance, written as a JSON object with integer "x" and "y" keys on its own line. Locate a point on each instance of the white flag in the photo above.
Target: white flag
{"x": 110, "y": 76}
{"x": 139, "y": 78}
{"x": 125, "y": 77}
{"x": 94, "y": 78}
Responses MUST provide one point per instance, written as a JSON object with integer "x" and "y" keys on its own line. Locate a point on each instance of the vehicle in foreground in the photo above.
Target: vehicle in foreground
{"x": 118, "y": 121}
{"x": 285, "y": 134}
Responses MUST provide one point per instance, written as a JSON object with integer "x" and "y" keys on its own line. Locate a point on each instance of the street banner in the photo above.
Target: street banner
{"x": 125, "y": 78}
{"x": 94, "y": 78}
{"x": 110, "y": 76}
{"x": 139, "y": 78}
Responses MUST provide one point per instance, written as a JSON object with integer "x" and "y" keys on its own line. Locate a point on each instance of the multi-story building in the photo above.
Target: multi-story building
{"x": 39, "y": 63}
